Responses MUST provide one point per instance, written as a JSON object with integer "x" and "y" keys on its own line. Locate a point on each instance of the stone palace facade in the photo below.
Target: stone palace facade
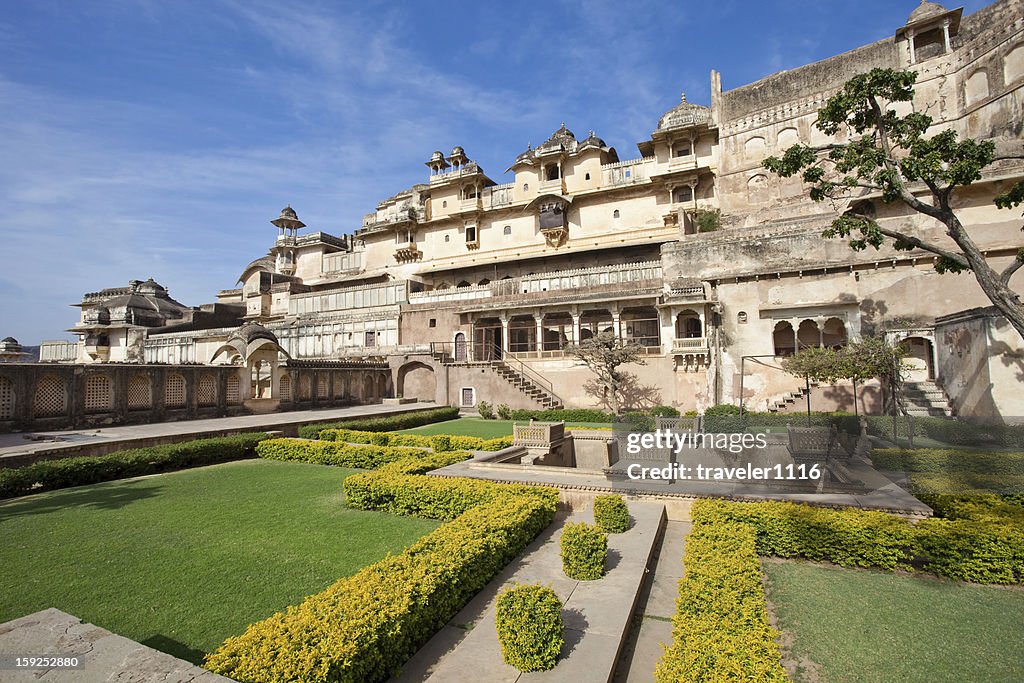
{"x": 463, "y": 289}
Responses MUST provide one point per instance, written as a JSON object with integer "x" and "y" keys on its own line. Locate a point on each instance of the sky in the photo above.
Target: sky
{"x": 142, "y": 138}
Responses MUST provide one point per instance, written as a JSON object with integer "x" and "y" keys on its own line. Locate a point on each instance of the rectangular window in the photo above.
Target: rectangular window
{"x": 371, "y": 338}
{"x": 433, "y": 322}
{"x": 468, "y": 396}
{"x": 470, "y": 233}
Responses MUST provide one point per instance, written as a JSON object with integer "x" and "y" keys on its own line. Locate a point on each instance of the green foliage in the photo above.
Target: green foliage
{"x": 485, "y": 410}
{"x": 708, "y": 220}
{"x": 947, "y": 460}
{"x": 722, "y": 409}
{"x": 951, "y": 431}
{"x": 664, "y": 411}
{"x": 530, "y": 628}
{"x": 734, "y": 423}
{"x": 439, "y": 442}
{"x": 584, "y": 551}
{"x": 720, "y": 631}
{"x": 384, "y": 424}
{"x": 362, "y": 628}
{"x": 504, "y": 412}
{"x": 611, "y": 514}
{"x": 859, "y": 360}
{"x": 47, "y": 475}
{"x": 987, "y": 548}
{"x": 563, "y": 415}
{"x": 334, "y": 453}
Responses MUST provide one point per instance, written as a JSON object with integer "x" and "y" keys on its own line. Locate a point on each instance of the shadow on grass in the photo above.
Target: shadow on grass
{"x": 108, "y": 497}
{"x": 175, "y": 648}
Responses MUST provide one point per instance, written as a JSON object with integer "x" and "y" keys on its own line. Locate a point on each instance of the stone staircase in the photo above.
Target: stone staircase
{"x": 526, "y": 385}
{"x": 518, "y": 379}
{"x": 923, "y": 399}
{"x": 789, "y": 399}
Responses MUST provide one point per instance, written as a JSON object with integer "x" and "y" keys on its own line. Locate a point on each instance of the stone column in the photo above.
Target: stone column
{"x": 616, "y": 325}
{"x": 945, "y": 34}
{"x": 575, "y": 328}
{"x": 540, "y": 331}
{"x": 504, "y": 334}
{"x": 910, "y": 44}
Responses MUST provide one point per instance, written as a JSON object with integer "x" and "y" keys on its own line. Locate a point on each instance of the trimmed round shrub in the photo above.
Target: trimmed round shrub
{"x": 611, "y": 514}
{"x": 723, "y": 409}
{"x": 530, "y": 628}
{"x": 441, "y": 443}
{"x": 584, "y": 551}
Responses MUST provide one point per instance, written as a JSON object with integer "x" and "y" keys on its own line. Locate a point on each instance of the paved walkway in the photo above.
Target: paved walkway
{"x": 597, "y": 613}
{"x": 103, "y": 656}
{"x": 652, "y": 628}
{"x": 95, "y": 441}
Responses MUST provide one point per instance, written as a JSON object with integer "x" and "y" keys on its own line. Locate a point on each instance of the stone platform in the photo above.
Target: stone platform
{"x": 17, "y": 449}
{"x": 597, "y": 614}
{"x": 105, "y": 656}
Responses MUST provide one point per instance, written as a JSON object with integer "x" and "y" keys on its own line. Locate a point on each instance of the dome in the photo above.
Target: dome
{"x": 457, "y": 151}
{"x": 288, "y": 219}
{"x": 684, "y": 114}
{"x": 437, "y": 156}
{"x": 925, "y": 10}
{"x": 250, "y": 332}
{"x": 592, "y": 141}
{"x": 9, "y": 340}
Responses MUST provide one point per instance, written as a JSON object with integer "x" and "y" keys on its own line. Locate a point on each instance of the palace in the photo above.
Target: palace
{"x": 462, "y": 289}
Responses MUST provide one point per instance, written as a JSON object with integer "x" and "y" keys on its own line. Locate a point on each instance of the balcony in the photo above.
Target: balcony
{"x": 687, "y": 162}
{"x": 408, "y": 252}
{"x": 690, "y": 345}
{"x": 556, "y": 185}
{"x": 473, "y": 204}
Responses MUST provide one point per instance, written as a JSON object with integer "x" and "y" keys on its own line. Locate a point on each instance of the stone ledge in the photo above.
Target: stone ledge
{"x": 106, "y": 656}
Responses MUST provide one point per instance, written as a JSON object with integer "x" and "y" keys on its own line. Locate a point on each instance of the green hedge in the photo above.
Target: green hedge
{"x": 722, "y": 423}
{"x": 947, "y": 460}
{"x": 333, "y": 453}
{"x": 47, "y": 475}
{"x": 611, "y": 514}
{"x": 984, "y": 548}
{"x": 389, "y": 423}
{"x": 584, "y": 551}
{"x": 530, "y": 628}
{"x": 363, "y": 628}
{"x": 563, "y": 415}
{"x": 392, "y": 489}
{"x": 439, "y": 442}
{"x": 720, "y": 631}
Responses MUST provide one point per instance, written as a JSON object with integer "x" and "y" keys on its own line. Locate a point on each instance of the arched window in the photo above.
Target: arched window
{"x": 206, "y": 394}
{"x": 977, "y": 87}
{"x": 284, "y": 388}
{"x": 234, "y": 390}
{"x": 140, "y": 393}
{"x": 6, "y": 399}
{"x": 98, "y": 394}
{"x": 757, "y": 189}
{"x": 741, "y": 317}
{"x": 808, "y": 334}
{"x": 51, "y": 397}
{"x": 174, "y": 391}
{"x": 615, "y": 213}
{"x": 784, "y": 338}
{"x": 507, "y": 229}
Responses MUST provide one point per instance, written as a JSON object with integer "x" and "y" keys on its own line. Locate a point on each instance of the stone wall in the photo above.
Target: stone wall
{"x": 45, "y": 396}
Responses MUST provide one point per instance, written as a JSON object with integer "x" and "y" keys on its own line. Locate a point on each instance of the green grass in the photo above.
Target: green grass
{"x": 865, "y": 626}
{"x": 181, "y": 561}
{"x": 485, "y": 429}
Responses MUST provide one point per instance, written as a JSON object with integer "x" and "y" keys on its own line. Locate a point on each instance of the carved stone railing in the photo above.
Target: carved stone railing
{"x": 689, "y": 344}
{"x": 538, "y": 433}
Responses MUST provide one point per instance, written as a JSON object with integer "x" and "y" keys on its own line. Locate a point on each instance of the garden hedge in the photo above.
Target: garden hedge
{"x": 439, "y": 442}
{"x": 584, "y": 551}
{"x": 47, "y": 475}
{"x": 720, "y": 631}
{"x": 983, "y": 548}
{"x": 530, "y": 627}
{"x": 611, "y": 513}
{"x": 333, "y": 453}
{"x": 389, "y": 423}
{"x": 363, "y": 628}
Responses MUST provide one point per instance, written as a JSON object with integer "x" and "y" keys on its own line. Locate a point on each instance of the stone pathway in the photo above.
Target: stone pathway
{"x": 16, "y": 448}
{"x": 597, "y": 613}
{"x": 652, "y": 626}
{"x": 104, "y": 656}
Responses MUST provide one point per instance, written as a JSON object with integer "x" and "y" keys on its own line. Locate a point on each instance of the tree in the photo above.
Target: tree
{"x": 857, "y": 361}
{"x": 604, "y": 353}
{"x": 889, "y": 154}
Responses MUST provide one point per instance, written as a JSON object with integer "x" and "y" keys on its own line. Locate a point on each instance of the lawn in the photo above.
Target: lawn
{"x": 862, "y": 625}
{"x": 181, "y": 561}
{"x": 485, "y": 429}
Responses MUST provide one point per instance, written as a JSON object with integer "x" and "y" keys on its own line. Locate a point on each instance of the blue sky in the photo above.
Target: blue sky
{"x": 142, "y": 138}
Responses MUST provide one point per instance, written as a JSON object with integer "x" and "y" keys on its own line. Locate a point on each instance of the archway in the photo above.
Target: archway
{"x": 833, "y": 334}
{"x": 557, "y": 330}
{"x": 688, "y": 325}
{"x": 641, "y": 326}
{"x": 784, "y": 339}
{"x": 593, "y": 323}
{"x": 808, "y": 335}
{"x": 417, "y": 380}
{"x": 919, "y": 359}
